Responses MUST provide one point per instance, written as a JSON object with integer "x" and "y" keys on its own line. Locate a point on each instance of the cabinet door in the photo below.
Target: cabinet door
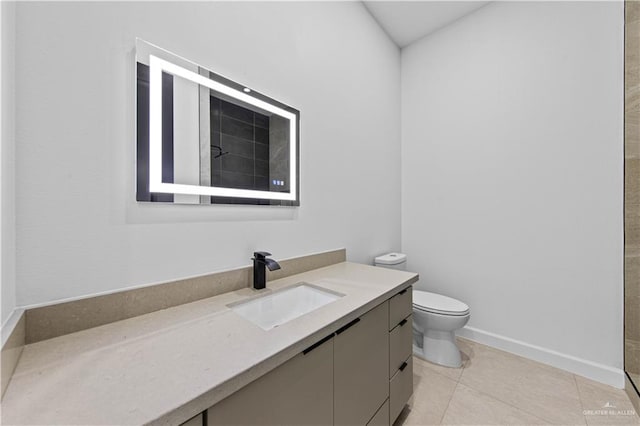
{"x": 361, "y": 368}
{"x": 299, "y": 392}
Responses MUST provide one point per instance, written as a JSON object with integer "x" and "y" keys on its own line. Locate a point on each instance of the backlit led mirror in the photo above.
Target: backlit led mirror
{"x": 204, "y": 139}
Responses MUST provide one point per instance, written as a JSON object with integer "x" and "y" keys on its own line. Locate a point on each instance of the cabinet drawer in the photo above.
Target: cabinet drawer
{"x": 400, "y": 307}
{"x": 400, "y": 389}
{"x": 381, "y": 418}
{"x": 400, "y": 344}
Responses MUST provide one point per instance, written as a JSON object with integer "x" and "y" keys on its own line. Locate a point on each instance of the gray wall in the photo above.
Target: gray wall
{"x": 512, "y": 176}
{"x": 80, "y": 231}
{"x": 7, "y": 158}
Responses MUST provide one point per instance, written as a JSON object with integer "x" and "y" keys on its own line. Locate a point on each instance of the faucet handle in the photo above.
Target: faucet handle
{"x": 261, "y": 254}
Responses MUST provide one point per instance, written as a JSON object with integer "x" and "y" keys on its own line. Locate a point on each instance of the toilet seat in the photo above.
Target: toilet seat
{"x": 438, "y": 304}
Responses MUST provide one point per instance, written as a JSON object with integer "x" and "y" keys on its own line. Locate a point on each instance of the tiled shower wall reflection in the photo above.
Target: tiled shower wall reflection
{"x": 632, "y": 192}
{"x": 242, "y": 137}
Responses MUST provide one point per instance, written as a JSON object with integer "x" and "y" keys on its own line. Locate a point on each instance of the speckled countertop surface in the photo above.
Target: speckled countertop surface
{"x": 167, "y": 366}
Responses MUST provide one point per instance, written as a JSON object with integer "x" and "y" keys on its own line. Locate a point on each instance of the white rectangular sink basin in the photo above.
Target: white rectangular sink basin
{"x": 274, "y": 309}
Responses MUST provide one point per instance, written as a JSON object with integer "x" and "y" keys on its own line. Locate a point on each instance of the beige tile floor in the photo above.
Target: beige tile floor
{"x": 498, "y": 388}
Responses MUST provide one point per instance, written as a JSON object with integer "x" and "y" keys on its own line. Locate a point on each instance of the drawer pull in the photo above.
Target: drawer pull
{"x": 315, "y": 345}
{"x": 403, "y": 322}
{"x": 404, "y": 291}
{"x": 346, "y": 327}
{"x": 403, "y": 366}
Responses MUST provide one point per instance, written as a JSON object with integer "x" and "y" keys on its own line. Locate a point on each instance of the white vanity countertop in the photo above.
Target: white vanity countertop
{"x": 167, "y": 366}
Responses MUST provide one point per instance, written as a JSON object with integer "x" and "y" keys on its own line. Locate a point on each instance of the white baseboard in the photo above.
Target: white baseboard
{"x": 582, "y": 367}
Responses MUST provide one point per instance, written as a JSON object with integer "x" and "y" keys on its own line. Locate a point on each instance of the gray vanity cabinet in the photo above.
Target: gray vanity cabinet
{"x": 361, "y": 365}
{"x": 299, "y": 392}
{"x": 360, "y": 375}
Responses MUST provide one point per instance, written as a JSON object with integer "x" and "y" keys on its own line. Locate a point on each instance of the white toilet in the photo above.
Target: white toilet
{"x": 435, "y": 319}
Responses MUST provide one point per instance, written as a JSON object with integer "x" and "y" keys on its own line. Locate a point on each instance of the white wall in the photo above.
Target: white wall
{"x": 7, "y": 149}
{"x": 512, "y": 176}
{"x": 79, "y": 229}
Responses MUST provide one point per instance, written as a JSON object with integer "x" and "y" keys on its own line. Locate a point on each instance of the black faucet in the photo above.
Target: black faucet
{"x": 260, "y": 260}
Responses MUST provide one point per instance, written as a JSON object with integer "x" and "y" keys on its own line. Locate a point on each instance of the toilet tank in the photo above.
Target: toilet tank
{"x": 392, "y": 261}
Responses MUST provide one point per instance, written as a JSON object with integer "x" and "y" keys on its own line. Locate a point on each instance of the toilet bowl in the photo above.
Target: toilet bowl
{"x": 435, "y": 320}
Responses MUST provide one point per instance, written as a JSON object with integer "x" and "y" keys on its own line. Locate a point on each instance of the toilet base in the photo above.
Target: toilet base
{"x": 439, "y": 347}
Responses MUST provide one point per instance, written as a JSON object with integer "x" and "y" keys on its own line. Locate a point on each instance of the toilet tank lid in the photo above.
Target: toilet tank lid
{"x": 391, "y": 259}
{"x": 434, "y": 301}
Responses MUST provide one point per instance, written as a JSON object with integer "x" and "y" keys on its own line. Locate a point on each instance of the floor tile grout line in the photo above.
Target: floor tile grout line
{"x": 459, "y": 382}
{"x": 444, "y": 375}
{"x": 444, "y": 413}
{"x": 510, "y": 404}
{"x": 544, "y": 421}
{"x": 575, "y": 381}
{"x": 429, "y": 364}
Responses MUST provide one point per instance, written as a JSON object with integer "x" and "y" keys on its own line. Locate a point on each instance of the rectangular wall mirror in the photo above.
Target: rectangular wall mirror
{"x": 204, "y": 139}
